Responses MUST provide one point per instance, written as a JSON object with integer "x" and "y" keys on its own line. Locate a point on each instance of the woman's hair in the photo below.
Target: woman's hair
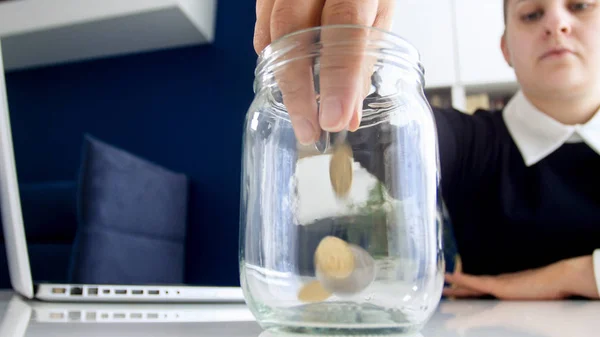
{"x": 505, "y": 8}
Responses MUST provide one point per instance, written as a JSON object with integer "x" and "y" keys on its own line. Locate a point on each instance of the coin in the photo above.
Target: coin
{"x": 334, "y": 258}
{"x": 361, "y": 277}
{"x": 313, "y": 292}
{"x": 340, "y": 169}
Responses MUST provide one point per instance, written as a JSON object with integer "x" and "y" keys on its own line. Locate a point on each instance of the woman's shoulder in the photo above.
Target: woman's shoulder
{"x": 482, "y": 123}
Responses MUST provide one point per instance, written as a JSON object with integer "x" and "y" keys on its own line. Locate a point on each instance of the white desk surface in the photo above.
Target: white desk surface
{"x": 480, "y": 318}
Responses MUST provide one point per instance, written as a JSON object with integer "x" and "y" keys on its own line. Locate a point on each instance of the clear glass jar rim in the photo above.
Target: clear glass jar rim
{"x": 401, "y": 42}
{"x": 409, "y": 52}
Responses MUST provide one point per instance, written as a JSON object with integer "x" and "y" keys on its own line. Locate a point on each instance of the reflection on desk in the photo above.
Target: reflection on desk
{"x": 520, "y": 319}
{"x": 24, "y": 318}
{"x": 460, "y": 318}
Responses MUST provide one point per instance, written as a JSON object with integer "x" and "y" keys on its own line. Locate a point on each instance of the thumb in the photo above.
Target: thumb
{"x": 342, "y": 58}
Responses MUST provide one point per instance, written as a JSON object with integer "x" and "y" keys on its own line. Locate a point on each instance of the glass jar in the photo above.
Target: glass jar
{"x": 364, "y": 260}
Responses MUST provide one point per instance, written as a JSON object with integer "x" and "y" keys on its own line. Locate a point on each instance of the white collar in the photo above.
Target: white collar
{"x": 537, "y": 135}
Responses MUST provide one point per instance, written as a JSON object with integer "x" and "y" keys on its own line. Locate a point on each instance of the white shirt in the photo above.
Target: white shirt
{"x": 537, "y": 135}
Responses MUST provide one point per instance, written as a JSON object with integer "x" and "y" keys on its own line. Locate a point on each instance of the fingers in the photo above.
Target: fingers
{"x": 461, "y": 288}
{"x": 356, "y": 117}
{"x": 295, "y": 79}
{"x": 385, "y": 14}
{"x": 461, "y": 292}
{"x": 342, "y": 60}
{"x": 345, "y": 71}
{"x": 292, "y": 15}
{"x": 262, "y": 27}
{"x": 483, "y": 284}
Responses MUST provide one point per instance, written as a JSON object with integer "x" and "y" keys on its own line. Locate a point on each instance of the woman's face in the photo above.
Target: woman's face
{"x": 554, "y": 45}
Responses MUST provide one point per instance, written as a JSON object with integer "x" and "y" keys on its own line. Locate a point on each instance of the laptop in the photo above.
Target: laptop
{"x": 18, "y": 258}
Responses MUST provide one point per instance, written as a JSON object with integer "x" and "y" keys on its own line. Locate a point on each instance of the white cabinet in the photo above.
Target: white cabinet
{"x": 39, "y": 32}
{"x": 427, "y": 24}
{"x": 479, "y": 27}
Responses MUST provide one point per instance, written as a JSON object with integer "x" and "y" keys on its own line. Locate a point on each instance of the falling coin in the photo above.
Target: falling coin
{"x": 340, "y": 169}
{"x": 334, "y": 258}
{"x": 361, "y": 277}
{"x": 313, "y": 292}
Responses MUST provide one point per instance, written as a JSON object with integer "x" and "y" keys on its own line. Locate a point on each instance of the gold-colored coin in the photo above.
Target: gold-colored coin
{"x": 340, "y": 170}
{"x": 334, "y": 258}
{"x": 313, "y": 292}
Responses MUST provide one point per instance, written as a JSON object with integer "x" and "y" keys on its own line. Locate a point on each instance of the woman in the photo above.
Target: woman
{"x": 522, "y": 186}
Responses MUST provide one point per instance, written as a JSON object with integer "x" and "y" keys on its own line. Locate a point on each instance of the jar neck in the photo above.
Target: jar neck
{"x": 390, "y": 58}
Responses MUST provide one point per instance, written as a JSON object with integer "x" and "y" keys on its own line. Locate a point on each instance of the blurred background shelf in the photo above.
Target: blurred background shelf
{"x": 38, "y": 33}
{"x": 459, "y": 43}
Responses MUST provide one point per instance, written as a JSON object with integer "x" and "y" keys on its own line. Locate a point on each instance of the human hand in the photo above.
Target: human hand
{"x": 571, "y": 277}
{"x": 342, "y": 79}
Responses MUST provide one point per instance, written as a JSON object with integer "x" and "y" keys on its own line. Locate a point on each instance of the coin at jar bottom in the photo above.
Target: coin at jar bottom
{"x": 340, "y": 170}
{"x": 334, "y": 258}
{"x": 361, "y": 277}
{"x": 313, "y": 292}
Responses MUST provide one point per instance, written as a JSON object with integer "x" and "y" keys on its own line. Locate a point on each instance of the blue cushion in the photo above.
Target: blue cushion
{"x": 132, "y": 219}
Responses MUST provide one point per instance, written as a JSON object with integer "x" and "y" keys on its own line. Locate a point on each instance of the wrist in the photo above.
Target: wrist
{"x": 579, "y": 277}
{"x": 596, "y": 266}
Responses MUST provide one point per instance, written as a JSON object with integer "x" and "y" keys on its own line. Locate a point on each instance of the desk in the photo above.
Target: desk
{"x": 20, "y": 318}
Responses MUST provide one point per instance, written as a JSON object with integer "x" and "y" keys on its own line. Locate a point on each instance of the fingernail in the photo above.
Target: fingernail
{"x": 331, "y": 113}
{"x": 305, "y": 132}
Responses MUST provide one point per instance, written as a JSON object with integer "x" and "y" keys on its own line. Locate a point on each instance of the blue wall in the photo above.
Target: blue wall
{"x": 181, "y": 108}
